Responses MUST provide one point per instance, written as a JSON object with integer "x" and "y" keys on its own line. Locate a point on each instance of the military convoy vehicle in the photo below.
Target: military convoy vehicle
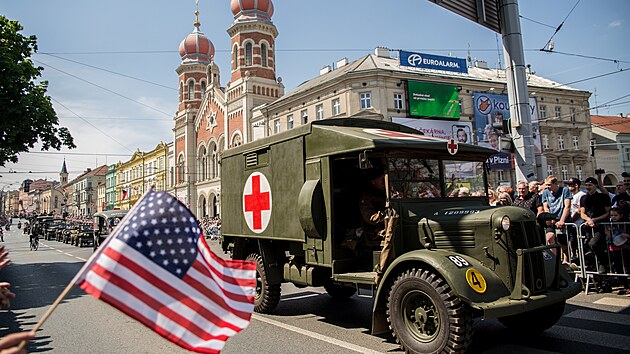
{"x": 290, "y": 203}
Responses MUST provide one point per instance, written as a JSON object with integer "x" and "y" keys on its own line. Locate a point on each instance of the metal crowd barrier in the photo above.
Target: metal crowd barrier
{"x": 580, "y": 249}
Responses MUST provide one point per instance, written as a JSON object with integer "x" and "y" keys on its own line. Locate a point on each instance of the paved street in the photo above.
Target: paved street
{"x": 306, "y": 321}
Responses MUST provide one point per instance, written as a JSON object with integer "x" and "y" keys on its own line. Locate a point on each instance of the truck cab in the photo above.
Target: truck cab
{"x": 292, "y": 203}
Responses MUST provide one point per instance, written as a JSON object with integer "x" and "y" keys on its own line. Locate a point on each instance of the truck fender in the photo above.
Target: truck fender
{"x": 455, "y": 268}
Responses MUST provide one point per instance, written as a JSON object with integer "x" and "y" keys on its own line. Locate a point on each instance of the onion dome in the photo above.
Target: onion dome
{"x": 196, "y": 46}
{"x": 252, "y": 9}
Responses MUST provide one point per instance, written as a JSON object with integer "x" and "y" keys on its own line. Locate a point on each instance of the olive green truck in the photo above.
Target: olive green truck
{"x": 290, "y": 202}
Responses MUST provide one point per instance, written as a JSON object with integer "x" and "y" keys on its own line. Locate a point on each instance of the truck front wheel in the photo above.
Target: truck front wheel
{"x": 267, "y": 295}
{"x": 425, "y": 316}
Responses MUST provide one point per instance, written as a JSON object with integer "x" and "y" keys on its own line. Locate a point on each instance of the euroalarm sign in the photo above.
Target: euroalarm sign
{"x": 435, "y": 62}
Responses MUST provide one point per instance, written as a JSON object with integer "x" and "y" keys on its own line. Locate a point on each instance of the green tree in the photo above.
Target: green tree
{"x": 26, "y": 112}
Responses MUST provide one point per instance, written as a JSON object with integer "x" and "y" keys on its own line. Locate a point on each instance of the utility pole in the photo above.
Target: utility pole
{"x": 516, "y": 77}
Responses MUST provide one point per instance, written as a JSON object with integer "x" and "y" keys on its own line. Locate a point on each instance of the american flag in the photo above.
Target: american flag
{"x": 157, "y": 268}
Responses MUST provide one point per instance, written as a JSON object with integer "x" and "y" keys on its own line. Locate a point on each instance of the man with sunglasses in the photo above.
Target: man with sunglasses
{"x": 556, "y": 200}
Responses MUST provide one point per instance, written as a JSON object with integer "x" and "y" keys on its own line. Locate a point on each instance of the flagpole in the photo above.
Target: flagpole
{"x": 88, "y": 264}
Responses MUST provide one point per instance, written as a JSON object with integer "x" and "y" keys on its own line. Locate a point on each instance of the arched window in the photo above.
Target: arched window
{"x": 215, "y": 162}
{"x": 203, "y": 163}
{"x": 203, "y": 88}
{"x": 191, "y": 90}
{"x": 180, "y": 169}
{"x": 235, "y": 57}
{"x": 181, "y": 91}
{"x": 263, "y": 53}
{"x": 248, "y": 54}
{"x": 237, "y": 141}
{"x": 172, "y": 176}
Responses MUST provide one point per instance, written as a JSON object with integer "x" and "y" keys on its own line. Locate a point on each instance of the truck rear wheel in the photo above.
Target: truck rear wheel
{"x": 267, "y": 295}
{"x": 425, "y": 316}
{"x": 536, "y": 321}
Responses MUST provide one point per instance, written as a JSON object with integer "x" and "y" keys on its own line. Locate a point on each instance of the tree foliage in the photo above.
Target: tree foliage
{"x": 26, "y": 112}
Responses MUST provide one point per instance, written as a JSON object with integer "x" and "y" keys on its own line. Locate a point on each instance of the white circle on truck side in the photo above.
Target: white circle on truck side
{"x": 257, "y": 202}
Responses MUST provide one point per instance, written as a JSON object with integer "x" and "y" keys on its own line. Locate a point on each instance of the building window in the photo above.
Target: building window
{"x": 542, "y": 111}
{"x": 576, "y": 142}
{"x": 181, "y": 92}
{"x": 276, "y": 126}
{"x": 545, "y": 141}
{"x": 398, "y": 101}
{"x": 627, "y": 154}
{"x": 500, "y": 175}
{"x": 319, "y": 112}
{"x": 366, "y": 100}
{"x": 557, "y": 112}
{"x": 191, "y": 90}
{"x": 579, "y": 172}
{"x": 549, "y": 170}
{"x": 565, "y": 172}
{"x": 560, "y": 142}
{"x": 304, "y": 114}
{"x": 203, "y": 88}
{"x": 235, "y": 57}
{"x": 248, "y": 54}
{"x": 263, "y": 55}
{"x": 290, "y": 121}
{"x": 336, "y": 107}
{"x": 573, "y": 115}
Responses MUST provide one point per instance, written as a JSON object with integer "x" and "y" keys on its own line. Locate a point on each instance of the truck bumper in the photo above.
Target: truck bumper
{"x": 506, "y": 306}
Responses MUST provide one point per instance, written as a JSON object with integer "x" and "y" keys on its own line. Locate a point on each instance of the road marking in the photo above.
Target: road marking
{"x": 63, "y": 252}
{"x": 612, "y": 301}
{"x": 315, "y": 335}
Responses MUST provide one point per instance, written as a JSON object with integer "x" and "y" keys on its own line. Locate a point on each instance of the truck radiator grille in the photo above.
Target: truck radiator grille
{"x": 526, "y": 236}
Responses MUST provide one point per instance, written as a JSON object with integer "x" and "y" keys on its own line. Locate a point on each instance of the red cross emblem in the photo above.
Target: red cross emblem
{"x": 452, "y": 147}
{"x": 257, "y": 202}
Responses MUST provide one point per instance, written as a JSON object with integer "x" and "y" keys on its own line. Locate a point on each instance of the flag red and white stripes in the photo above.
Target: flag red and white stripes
{"x": 157, "y": 268}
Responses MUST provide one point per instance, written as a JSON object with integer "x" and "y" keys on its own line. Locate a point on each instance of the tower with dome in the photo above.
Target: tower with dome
{"x": 210, "y": 117}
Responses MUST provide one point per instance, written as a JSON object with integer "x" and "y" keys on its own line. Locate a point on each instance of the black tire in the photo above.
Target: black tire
{"x": 339, "y": 291}
{"x": 425, "y": 316}
{"x": 267, "y": 295}
{"x": 536, "y": 321}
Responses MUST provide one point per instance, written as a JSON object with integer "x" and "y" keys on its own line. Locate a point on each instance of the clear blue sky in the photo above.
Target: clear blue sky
{"x": 85, "y": 45}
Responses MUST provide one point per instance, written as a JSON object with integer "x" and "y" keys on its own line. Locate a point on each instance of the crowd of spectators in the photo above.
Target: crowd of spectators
{"x": 211, "y": 226}
{"x": 601, "y": 213}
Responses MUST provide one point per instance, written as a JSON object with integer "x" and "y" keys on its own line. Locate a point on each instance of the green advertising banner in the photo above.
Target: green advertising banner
{"x": 433, "y": 100}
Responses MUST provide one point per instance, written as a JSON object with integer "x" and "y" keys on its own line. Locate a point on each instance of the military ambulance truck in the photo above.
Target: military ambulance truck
{"x": 290, "y": 203}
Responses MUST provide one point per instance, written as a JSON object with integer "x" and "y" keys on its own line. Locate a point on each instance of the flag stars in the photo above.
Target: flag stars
{"x": 180, "y": 241}
{"x": 165, "y": 262}
{"x": 143, "y": 223}
{"x": 169, "y": 241}
{"x": 164, "y": 220}
{"x": 163, "y": 252}
{"x": 159, "y": 242}
{"x": 162, "y": 210}
{"x": 152, "y": 254}
{"x": 178, "y": 271}
{"x": 139, "y": 244}
{"x": 177, "y": 230}
{"x": 167, "y": 231}
{"x": 149, "y": 243}
{"x": 154, "y": 222}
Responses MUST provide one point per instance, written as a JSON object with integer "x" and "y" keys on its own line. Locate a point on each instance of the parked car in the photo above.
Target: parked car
{"x": 104, "y": 224}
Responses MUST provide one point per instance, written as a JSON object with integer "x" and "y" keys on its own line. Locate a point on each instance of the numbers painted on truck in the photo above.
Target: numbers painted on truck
{"x": 459, "y": 261}
{"x": 475, "y": 280}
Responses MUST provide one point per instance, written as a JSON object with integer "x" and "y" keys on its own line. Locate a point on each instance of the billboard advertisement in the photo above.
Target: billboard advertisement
{"x": 434, "y": 101}
{"x": 434, "y": 62}
{"x": 460, "y": 131}
{"x": 493, "y": 108}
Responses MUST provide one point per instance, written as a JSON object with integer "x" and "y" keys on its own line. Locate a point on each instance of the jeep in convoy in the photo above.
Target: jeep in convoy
{"x": 290, "y": 203}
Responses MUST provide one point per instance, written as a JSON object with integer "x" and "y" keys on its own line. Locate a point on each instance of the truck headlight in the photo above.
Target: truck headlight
{"x": 506, "y": 223}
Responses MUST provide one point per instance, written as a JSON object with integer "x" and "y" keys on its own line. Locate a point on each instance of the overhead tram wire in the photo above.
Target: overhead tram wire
{"x": 93, "y": 126}
{"x": 534, "y": 21}
{"x": 76, "y": 153}
{"x": 104, "y": 88}
{"x": 561, "y": 24}
{"x": 616, "y": 61}
{"x": 112, "y": 72}
{"x": 598, "y": 76}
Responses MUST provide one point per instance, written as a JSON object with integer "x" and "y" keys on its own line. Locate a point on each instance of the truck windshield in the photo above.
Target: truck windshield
{"x": 413, "y": 178}
{"x": 464, "y": 179}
